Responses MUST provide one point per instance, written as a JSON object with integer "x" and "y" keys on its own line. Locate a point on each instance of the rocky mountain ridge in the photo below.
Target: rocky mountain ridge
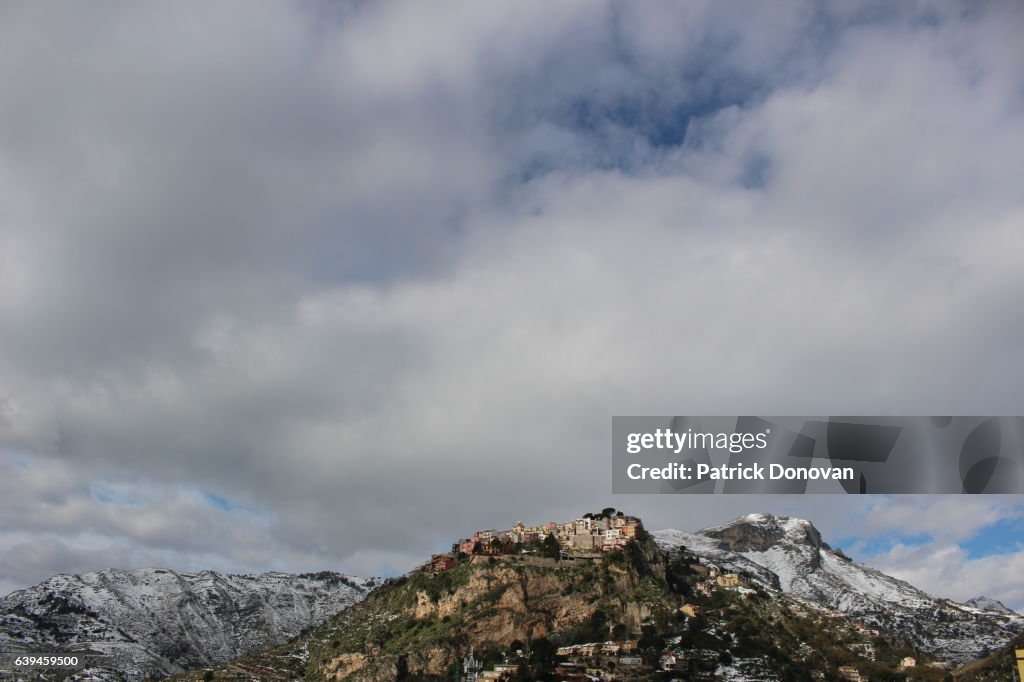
{"x": 788, "y": 555}
{"x": 156, "y": 622}
{"x": 801, "y": 609}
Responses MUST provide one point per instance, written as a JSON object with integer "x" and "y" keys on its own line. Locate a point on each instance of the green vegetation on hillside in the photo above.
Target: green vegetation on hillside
{"x": 521, "y": 609}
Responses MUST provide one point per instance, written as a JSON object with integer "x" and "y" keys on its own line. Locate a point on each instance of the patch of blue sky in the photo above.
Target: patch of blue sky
{"x": 862, "y": 549}
{"x": 228, "y": 505}
{"x": 112, "y": 494}
{"x": 1002, "y": 537}
{"x": 662, "y": 121}
{"x": 625, "y": 128}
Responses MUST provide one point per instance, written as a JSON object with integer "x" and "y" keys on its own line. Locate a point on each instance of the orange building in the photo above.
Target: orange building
{"x": 442, "y": 562}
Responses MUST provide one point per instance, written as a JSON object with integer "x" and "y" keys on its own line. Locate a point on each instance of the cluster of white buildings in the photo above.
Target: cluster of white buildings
{"x": 610, "y": 648}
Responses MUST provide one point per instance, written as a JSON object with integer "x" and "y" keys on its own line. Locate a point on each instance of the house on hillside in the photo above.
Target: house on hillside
{"x": 850, "y": 673}
{"x": 442, "y": 562}
{"x": 728, "y": 580}
{"x": 671, "y": 661}
{"x": 705, "y": 588}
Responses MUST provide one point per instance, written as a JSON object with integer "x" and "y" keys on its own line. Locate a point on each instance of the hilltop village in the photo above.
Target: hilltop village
{"x": 591, "y": 537}
{"x": 600, "y": 599}
{"x": 586, "y": 537}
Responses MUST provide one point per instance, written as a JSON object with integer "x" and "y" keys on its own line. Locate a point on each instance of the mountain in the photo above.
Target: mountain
{"x": 518, "y": 609}
{"x": 995, "y": 667}
{"x": 990, "y": 605}
{"x": 760, "y": 598}
{"x": 157, "y": 621}
{"x": 788, "y": 555}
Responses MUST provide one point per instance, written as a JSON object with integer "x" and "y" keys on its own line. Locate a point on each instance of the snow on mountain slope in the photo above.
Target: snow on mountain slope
{"x": 157, "y": 621}
{"x": 788, "y": 555}
{"x": 990, "y": 605}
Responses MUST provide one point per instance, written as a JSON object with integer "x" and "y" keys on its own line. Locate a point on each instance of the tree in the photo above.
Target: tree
{"x": 550, "y": 547}
{"x": 542, "y": 652}
{"x": 650, "y": 640}
{"x": 608, "y": 512}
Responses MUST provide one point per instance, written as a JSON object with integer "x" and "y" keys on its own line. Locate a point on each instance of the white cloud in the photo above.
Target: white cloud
{"x": 944, "y": 518}
{"x": 947, "y": 570}
{"x": 351, "y": 271}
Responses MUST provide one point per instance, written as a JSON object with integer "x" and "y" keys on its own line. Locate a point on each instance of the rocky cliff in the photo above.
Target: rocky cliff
{"x": 420, "y": 625}
{"x": 788, "y": 555}
{"x": 798, "y": 611}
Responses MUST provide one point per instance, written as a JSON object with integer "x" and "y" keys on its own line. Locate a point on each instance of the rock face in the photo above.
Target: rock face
{"x": 788, "y": 555}
{"x": 158, "y": 622}
{"x": 800, "y": 609}
{"x": 416, "y": 627}
{"x": 525, "y": 602}
{"x": 798, "y": 602}
{"x": 761, "y": 532}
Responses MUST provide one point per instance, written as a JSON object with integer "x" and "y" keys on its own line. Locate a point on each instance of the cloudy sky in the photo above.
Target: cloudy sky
{"x": 307, "y": 285}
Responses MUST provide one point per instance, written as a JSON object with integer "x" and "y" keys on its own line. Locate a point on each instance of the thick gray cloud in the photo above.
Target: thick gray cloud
{"x": 296, "y": 286}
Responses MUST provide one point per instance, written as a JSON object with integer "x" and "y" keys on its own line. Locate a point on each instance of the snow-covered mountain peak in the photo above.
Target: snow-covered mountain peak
{"x": 788, "y": 554}
{"x": 991, "y": 605}
{"x": 761, "y": 532}
{"x": 156, "y": 621}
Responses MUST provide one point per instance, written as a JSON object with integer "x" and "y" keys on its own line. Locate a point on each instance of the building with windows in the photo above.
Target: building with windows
{"x": 590, "y": 533}
{"x": 728, "y": 580}
{"x": 442, "y": 562}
